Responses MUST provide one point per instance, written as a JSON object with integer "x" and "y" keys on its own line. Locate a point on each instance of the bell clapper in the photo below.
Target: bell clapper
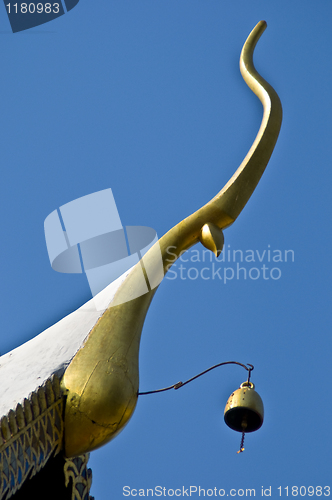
{"x": 244, "y": 426}
{"x": 241, "y": 445}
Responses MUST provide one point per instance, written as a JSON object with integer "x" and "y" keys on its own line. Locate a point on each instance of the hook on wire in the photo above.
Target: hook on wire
{"x": 250, "y": 369}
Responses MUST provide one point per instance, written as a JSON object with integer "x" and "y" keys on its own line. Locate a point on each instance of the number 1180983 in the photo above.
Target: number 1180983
{"x": 302, "y": 491}
{"x": 31, "y": 8}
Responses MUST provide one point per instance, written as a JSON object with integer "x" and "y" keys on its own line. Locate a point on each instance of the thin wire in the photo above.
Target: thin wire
{"x": 181, "y": 384}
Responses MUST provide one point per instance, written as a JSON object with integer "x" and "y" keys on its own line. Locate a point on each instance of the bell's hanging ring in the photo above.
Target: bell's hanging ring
{"x": 244, "y": 411}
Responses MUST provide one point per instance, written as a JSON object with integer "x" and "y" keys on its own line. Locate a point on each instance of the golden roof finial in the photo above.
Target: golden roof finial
{"x": 101, "y": 382}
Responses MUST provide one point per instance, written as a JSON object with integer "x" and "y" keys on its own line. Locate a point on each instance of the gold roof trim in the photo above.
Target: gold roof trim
{"x": 30, "y": 435}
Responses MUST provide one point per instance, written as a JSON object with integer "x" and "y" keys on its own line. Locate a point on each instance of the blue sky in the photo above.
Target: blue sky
{"x": 145, "y": 97}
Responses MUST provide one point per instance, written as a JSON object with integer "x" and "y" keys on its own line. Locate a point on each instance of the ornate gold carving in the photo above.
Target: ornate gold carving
{"x": 26, "y": 443}
{"x": 75, "y": 469}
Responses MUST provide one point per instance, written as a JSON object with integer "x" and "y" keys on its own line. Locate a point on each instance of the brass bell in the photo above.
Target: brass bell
{"x": 244, "y": 410}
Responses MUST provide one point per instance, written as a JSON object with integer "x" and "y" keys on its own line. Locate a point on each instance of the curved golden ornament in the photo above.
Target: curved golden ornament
{"x": 101, "y": 382}
{"x": 212, "y": 238}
